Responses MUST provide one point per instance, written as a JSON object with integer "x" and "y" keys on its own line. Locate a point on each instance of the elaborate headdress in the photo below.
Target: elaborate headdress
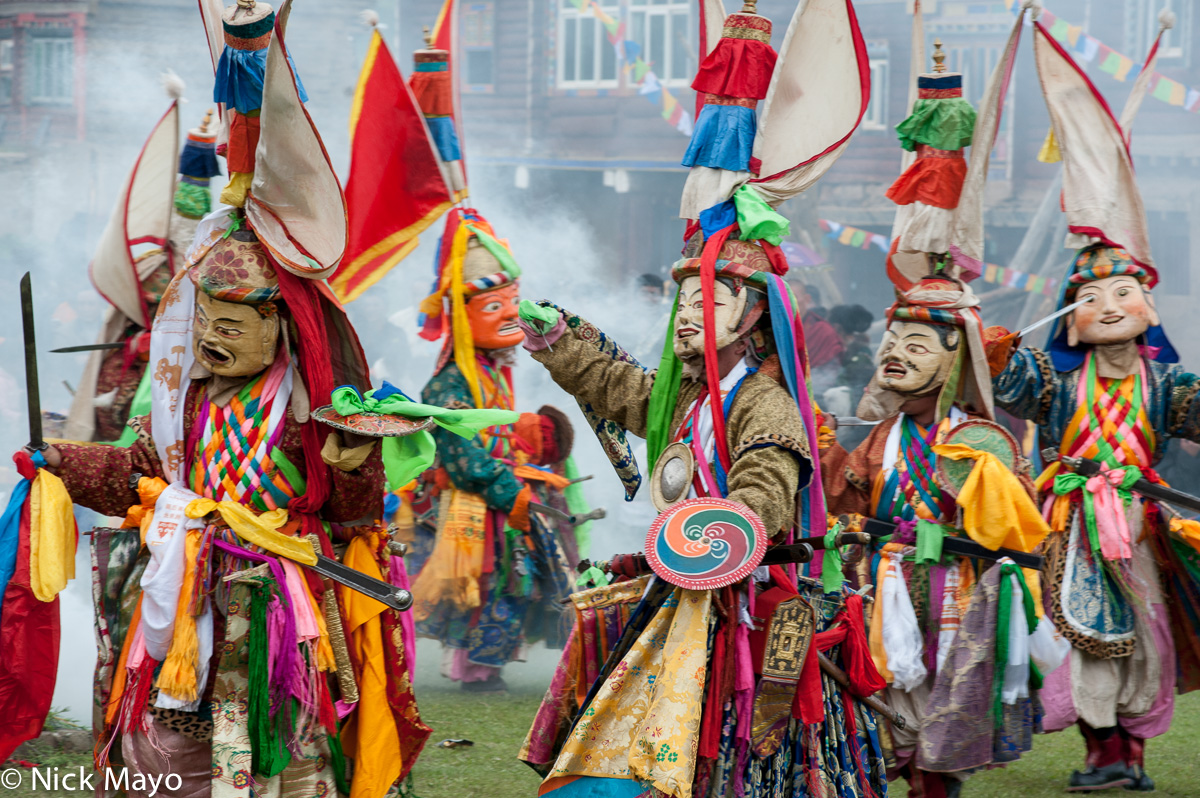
{"x": 239, "y": 38}
{"x": 948, "y": 302}
{"x": 939, "y": 222}
{"x": 470, "y": 260}
{"x": 436, "y": 91}
{"x": 816, "y": 93}
{"x": 1106, "y": 219}
{"x": 290, "y": 234}
{"x": 197, "y": 166}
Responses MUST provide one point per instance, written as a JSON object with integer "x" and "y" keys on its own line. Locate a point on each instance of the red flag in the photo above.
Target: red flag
{"x": 445, "y": 37}
{"x": 395, "y": 189}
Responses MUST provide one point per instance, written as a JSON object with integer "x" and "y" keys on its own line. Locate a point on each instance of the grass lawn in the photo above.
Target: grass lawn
{"x": 497, "y": 726}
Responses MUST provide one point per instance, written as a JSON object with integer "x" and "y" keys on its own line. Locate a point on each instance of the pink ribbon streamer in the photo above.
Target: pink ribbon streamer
{"x": 1111, "y": 525}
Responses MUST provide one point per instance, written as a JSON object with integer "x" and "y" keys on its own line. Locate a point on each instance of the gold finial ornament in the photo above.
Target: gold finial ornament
{"x": 246, "y": 4}
{"x": 207, "y": 119}
{"x": 750, "y": 7}
{"x": 938, "y": 56}
{"x": 427, "y": 35}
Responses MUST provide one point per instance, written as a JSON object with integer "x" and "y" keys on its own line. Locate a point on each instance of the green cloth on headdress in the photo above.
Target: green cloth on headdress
{"x": 663, "y": 395}
{"x": 405, "y": 457}
{"x": 192, "y": 201}
{"x": 541, "y": 318}
{"x": 944, "y": 124}
{"x": 500, "y": 252}
{"x": 757, "y": 220}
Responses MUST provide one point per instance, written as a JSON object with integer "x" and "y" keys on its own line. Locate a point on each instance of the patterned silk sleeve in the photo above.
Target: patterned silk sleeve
{"x": 468, "y": 464}
{"x": 1026, "y": 386}
{"x": 616, "y": 390}
{"x": 97, "y": 475}
{"x": 1185, "y": 410}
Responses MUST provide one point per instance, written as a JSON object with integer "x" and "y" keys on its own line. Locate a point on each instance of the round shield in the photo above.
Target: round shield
{"x": 701, "y": 544}
{"x": 373, "y": 425}
{"x": 672, "y": 476}
{"x": 986, "y": 436}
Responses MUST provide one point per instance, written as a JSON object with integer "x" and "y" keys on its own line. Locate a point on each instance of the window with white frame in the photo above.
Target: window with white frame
{"x": 586, "y": 59}
{"x": 1141, "y": 26}
{"x": 664, "y": 33}
{"x": 477, "y": 36}
{"x": 6, "y": 70}
{"x": 51, "y": 70}
{"x": 876, "y": 116}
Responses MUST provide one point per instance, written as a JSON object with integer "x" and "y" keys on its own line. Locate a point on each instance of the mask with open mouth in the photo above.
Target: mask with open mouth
{"x": 236, "y": 327}
{"x": 916, "y": 359}
{"x": 232, "y": 339}
{"x": 493, "y": 318}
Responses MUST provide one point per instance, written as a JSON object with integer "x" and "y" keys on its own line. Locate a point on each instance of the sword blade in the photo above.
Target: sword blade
{"x": 33, "y": 396}
{"x": 377, "y": 589}
{"x": 85, "y": 348}
{"x": 851, "y": 421}
{"x": 1047, "y": 319}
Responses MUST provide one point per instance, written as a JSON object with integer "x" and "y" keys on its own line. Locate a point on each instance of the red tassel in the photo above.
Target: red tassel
{"x": 933, "y": 181}
{"x": 739, "y": 68}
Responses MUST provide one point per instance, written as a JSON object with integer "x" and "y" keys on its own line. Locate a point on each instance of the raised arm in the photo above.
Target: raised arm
{"x": 618, "y": 391}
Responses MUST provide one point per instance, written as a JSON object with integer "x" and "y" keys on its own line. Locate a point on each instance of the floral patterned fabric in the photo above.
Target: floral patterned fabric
{"x": 310, "y": 774}
{"x": 116, "y": 570}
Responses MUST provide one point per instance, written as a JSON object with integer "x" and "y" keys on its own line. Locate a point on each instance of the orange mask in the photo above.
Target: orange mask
{"x": 493, "y": 317}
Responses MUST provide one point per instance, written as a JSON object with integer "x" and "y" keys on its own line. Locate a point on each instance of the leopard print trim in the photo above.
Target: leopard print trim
{"x": 1056, "y": 563}
{"x": 1182, "y": 399}
{"x": 1046, "y": 368}
{"x": 459, "y": 405}
{"x": 141, "y": 425}
{"x": 861, "y": 483}
{"x": 189, "y": 724}
{"x": 797, "y": 445}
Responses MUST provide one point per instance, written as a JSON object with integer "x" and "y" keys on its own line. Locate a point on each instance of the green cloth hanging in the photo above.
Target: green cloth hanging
{"x": 831, "y": 567}
{"x": 577, "y": 503}
{"x": 139, "y": 407}
{"x": 1003, "y": 618}
{"x": 930, "y": 536}
{"x": 407, "y": 456}
{"x": 663, "y": 395}
{"x": 944, "y": 124}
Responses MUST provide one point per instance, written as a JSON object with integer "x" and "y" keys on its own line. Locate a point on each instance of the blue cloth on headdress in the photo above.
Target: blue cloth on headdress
{"x": 717, "y": 218}
{"x": 239, "y": 80}
{"x": 441, "y": 128}
{"x": 199, "y": 159}
{"x": 723, "y": 138}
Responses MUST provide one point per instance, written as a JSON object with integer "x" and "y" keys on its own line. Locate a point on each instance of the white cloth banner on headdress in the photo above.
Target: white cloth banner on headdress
{"x": 966, "y": 245}
{"x": 818, "y": 95}
{"x": 296, "y": 204}
{"x": 142, "y": 213}
{"x": 1100, "y": 194}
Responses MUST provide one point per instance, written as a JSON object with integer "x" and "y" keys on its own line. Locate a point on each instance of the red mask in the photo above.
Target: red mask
{"x": 493, "y": 317}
